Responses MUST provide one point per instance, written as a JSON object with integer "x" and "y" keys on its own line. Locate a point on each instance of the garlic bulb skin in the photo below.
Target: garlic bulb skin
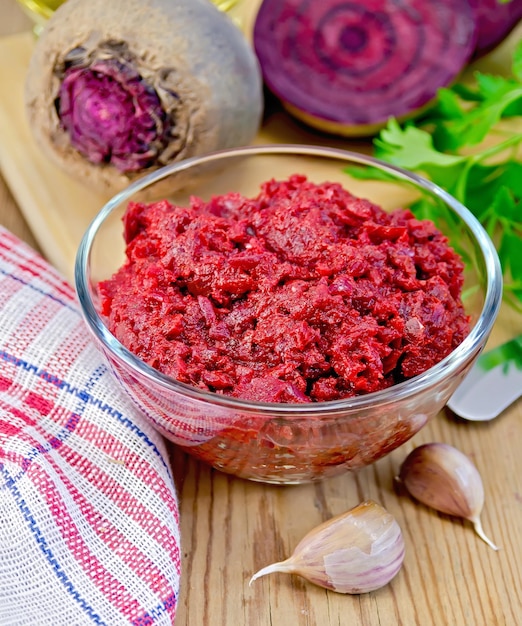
{"x": 355, "y": 552}
{"x": 445, "y": 479}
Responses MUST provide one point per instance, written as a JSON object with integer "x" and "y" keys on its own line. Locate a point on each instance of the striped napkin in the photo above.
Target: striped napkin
{"x": 89, "y": 526}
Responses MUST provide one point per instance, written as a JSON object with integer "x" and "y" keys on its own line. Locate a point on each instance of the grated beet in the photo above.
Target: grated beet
{"x": 304, "y": 293}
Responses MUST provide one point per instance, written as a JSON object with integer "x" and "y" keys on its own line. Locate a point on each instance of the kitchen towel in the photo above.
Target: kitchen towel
{"x": 89, "y": 523}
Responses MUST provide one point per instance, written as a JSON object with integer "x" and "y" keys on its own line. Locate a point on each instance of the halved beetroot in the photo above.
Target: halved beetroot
{"x": 495, "y": 20}
{"x": 347, "y": 66}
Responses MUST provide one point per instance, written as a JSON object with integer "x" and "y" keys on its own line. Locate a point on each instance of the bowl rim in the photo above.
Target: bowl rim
{"x": 468, "y": 349}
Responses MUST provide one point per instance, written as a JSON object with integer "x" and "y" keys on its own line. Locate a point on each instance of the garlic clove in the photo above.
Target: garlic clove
{"x": 355, "y": 552}
{"x": 445, "y": 479}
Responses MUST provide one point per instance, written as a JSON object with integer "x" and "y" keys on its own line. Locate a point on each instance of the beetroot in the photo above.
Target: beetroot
{"x": 495, "y": 20}
{"x": 116, "y": 89}
{"x": 347, "y": 67}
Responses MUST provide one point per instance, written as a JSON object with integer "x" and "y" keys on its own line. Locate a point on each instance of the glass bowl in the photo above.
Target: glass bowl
{"x": 288, "y": 443}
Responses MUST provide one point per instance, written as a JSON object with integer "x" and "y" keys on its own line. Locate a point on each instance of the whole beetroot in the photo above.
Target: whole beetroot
{"x": 116, "y": 89}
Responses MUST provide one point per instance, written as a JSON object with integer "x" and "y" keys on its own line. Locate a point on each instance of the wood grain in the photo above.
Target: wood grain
{"x": 231, "y": 527}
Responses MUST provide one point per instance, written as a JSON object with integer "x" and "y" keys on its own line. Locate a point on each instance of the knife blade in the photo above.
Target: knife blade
{"x": 493, "y": 383}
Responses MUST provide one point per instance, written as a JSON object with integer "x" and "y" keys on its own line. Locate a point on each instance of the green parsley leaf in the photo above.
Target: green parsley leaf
{"x": 500, "y": 99}
{"x": 412, "y": 149}
{"x": 510, "y": 352}
{"x": 487, "y": 183}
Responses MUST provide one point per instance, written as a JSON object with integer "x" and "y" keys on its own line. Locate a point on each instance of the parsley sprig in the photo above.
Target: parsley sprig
{"x": 468, "y": 143}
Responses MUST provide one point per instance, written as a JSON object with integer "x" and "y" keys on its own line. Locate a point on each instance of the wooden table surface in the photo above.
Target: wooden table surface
{"x": 231, "y": 527}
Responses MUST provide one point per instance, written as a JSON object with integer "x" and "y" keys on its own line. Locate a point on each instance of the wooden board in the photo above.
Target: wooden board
{"x": 57, "y": 208}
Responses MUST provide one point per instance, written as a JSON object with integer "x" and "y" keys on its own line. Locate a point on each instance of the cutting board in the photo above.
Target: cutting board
{"x": 57, "y": 208}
